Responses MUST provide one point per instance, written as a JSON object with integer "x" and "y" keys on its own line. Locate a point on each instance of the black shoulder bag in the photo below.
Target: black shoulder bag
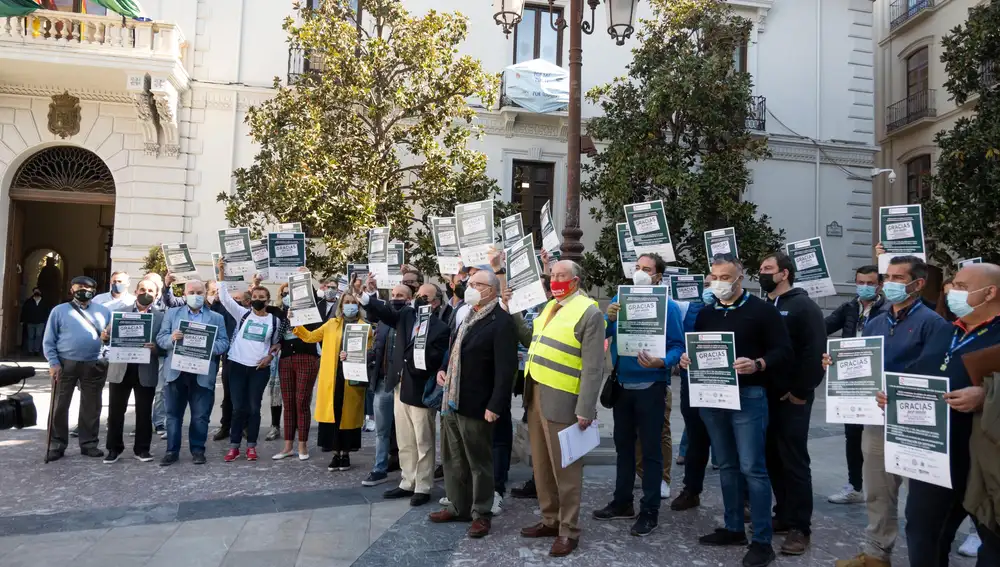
{"x": 101, "y": 366}
{"x": 612, "y": 389}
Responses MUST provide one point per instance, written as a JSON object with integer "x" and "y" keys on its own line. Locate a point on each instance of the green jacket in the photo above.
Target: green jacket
{"x": 982, "y": 496}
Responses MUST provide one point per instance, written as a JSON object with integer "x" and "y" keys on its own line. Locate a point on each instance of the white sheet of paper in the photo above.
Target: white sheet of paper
{"x": 850, "y": 368}
{"x": 646, "y": 224}
{"x": 806, "y": 261}
{"x": 898, "y": 230}
{"x": 574, "y": 442}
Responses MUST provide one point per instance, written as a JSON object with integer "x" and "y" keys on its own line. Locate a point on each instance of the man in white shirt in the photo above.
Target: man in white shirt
{"x": 119, "y": 298}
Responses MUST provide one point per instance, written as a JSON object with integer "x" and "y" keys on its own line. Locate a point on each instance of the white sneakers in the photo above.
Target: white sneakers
{"x": 444, "y": 501}
{"x": 664, "y": 490}
{"x": 970, "y": 548}
{"x": 369, "y": 424}
{"x": 847, "y": 495}
{"x": 282, "y": 455}
{"x": 497, "y": 504}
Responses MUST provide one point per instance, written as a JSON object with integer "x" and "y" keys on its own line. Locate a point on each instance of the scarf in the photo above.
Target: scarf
{"x": 453, "y": 377}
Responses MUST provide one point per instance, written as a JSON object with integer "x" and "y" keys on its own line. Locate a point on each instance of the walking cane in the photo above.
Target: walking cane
{"x": 52, "y": 412}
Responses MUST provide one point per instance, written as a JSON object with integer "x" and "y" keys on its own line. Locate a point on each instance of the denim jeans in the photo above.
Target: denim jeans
{"x": 698, "y": 444}
{"x": 738, "y": 438}
{"x": 246, "y": 388}
{"x": 682, "y": 450}
{"x": 179, "y": 394}
{"x": 160, "y": 408}
{"x": 35, "y": 333}
{"x": 788, "y": 463}
{"x": 503, "y": 443}
{"x": 383, "y": 406}
{"x": 369, "y": 402}
{"x": 639, "y": 414}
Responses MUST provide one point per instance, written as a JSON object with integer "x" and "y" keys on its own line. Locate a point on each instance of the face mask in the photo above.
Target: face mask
{"x": 398, "y": 304}
{"x": 195, "y": 301}
{"x": 37, "y": 294}
{"x": 459, "y": 291}
{"x": 448, "y": 291}
{"x": 707, "y": 297}
{"x": 117, "y": 287}
{"x": 420, "y": 301}
{"x": 472, "y": 296}
{"x": 866, "y": 292}
{"x": 286, "y": 301}
{"x": 144, "y": 299}
{"x": 958, "y": 302}
{"x": 413, "y": 287}
{"x": 350, "y": 310}
{"x": 83, "y": 295}
{"x": 895, "y": 292}
{"x": 642, "y": 278}
{"x": 722, "y": 290}
{"x": 767, "y": 282}
{"x": 560, "y": 289}
{"x": 330, "y": 294}
{"x": 258, "y": 304}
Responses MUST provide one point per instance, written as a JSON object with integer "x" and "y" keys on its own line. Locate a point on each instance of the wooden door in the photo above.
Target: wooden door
{"x": 13, "y": 271}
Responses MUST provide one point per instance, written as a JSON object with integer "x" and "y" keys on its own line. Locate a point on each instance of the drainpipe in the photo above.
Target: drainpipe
{"x": 819, "y": 100}
{"x": 236, "y": 93}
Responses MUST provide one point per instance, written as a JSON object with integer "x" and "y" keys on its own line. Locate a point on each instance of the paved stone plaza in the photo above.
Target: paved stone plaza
{"x": 80, "y": 512}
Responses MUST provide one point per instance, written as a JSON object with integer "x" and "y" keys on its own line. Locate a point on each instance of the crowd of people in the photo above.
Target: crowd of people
{"x": 475, "y": 353}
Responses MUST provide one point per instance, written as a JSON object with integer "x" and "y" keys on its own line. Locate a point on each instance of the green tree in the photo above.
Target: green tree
{"x": 154, "y": 262}
{"x": 675, "y": 129}
{"x": 966, "y": 186}
{"x": 375, "y": 133}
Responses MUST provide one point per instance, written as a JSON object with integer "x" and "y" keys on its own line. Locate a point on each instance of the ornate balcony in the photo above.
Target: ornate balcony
{"x": 917, "y": 106}
{"x": 901, "y": 11}
{"x": 757, "y": 114}
{"x": 301, "y": 63}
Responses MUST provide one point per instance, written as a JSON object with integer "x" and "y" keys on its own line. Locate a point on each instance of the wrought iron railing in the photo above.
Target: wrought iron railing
{"x": 757, "y": 114}
{"x": 912, "y": 108}
{"x": 302, "y": 62}
{"x": 902, "y": 10}
{"x": 989, "y": 74}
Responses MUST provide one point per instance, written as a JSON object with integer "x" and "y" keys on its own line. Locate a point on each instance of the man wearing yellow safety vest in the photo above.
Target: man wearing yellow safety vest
{"x": 563, "y": 377}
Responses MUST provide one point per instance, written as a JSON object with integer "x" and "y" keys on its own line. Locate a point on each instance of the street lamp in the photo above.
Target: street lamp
{"x": 621, "y": 25}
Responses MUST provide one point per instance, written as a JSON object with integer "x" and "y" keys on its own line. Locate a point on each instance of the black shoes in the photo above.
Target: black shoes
{"x": 644, "y": 525}
{"x": 92, "y": 452}
{"x": 759, "y": 555}
{"x": 168, "y": 459}
{"x": 221, "y": 434}
{"x": 528, "y": 491}
{"x": 439, "y": 472}
{"x": 144, "y": 457}
{"x": 199, "y": 458}
{"x": 722, "y": 536}
{"x": 112, "y": 457}
{"x": 419, "y": 499}
{"x": 54, "y": 455}
{"x": 340, "y": 463}
{"x": 396, "y": 493}
{"x": 685, "y": 501}
{"x": 374, "y": 479}
{"x": 613, "y": 512}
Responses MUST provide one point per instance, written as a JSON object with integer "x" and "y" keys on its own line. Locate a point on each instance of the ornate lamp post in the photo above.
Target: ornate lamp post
{"x": 621, "y": 25}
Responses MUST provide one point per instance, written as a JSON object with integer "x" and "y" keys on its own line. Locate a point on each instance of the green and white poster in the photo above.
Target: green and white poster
{"x": 524, "y": 276}
{"x": 396, "y": 259}
{"x": 475, "y": 231}
{"x": 356, "y": 347}
{"x": 179, "y": 262}
{"x": 286, "y": 253}
{"x": 722, "y": 241}
{"x": 917, "y": 428}
{"x": 675, "y": 271}
{"x": 378, "y": 254}
{"x": 289, "y": 227}
{"x": 687, "y": 288}
{"x": 420, "y": 340}
{"x": 650, "y": 234}
{"x": 550, "y": 238}
{"x": 642, "y": 320}
{"x": 302, "y": 300}
{"x": 712, "y": 378}
{"x": 233, "y": 282}
{"x": 969, "y": 262}
{"x": 445, "y": 237}
{"x": 626, "y": 250}
{"x": 261, "y": 260}
{"x": 512, "y": 230}
{"x": 234, "y": 246}
{"x": 130, "y": 333}
{"x": 811, "y": 271}
{"x": 901, "y": 232}
{"x": 357, "y": 272}
{"x": 853, "y": 379}
{"x": 193, "y": 352}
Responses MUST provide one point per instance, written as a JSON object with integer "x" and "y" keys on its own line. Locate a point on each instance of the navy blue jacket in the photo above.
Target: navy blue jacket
{"x": 909, "y": 338}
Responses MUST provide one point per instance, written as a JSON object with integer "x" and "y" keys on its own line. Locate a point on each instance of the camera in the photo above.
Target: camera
{"x": 18, "y": 409}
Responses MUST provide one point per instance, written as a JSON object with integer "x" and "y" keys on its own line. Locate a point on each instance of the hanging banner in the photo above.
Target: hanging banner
{"x": 917, "y": 428}
{"x": 642, "y": 320}
{"x": 647, "y": 222}
{"x": 524, "y": 276}
{"x": 550, "y": 238}
{"x": 286, "y": 253}
{"x": 261, "y": 260}
{"x": 130, "y": 333}
{"x": 853, "y": 379}
{"x": 394, "y": 266}
{"x": 687, "y": 288}
{"x": 512, "y": 230}
{"x": 901, "y": 232}
{"x": 475, "y": 231}
{"x": 722, "y": 241}
{"x": 193, "y": 353}
{"x": 712, "y": 380}
{"x": 302, "y": 301}
{"x": 378, "y": 254}
{"x": 811, "y": 271}
{"x": 179, "y": 263}
{"x": 445, "y": 235}
{"x": 626, "y": 249}
{"x": 356, "y": 347}
{"x": 420, "y": 339}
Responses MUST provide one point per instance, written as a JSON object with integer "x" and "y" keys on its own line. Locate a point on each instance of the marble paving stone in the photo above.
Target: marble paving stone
{"x": 385, "y": 514}
{"x": 226, "y": 529}
{"x": 260, "y": 559}
{"x": 191, "y": 551}
{"x": 39, "y": 552}
{"x": 333, "y": 520}
{"x": 110, "y": 560}
{"x": 340, "y": 546}
{"x": 8, "y": 544}
{"x": 273, "y": 532}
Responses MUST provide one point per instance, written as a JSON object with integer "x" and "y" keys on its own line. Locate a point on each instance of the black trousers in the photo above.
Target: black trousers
{"x": 989, "y": 552}
{"x": 503, "y": 443}
{"x": 699, "y": 444}
{"x": 91, "y": 382}
{"x": 855, "y": 459}
{"x": 227, "y": 401}
{"x": 933, "y": 515}
{"x": 788, "y": 463}
{"x": 639, "y": 414}
{"x": 118, "y": 395}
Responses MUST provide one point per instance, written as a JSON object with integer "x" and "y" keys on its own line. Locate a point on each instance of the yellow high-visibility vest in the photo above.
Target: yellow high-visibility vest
{"x": 555, "y": 357}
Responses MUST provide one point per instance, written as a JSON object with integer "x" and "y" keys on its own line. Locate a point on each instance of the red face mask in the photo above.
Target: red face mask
{"x": 560, "y": 289}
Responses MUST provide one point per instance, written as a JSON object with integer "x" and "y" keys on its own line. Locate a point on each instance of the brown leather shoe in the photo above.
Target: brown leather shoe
{"x": 563, "y": 546}
{"x": 445, "y": 516}
{"x": 796, "y": 543}
{"x": 480, "y": 528}
{"x": 539, "y": 530}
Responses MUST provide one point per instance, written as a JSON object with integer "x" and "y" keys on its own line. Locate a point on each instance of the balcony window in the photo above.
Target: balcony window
{"x": 902, "y": 10}
{"x": 534, "y": 37}
{"x": 75, "y": 6}
{"x": 740, "y": 57}
{"x": 917, "y": 72}
{"x": 533, "y": 182}
{"x": 917, "y": 187}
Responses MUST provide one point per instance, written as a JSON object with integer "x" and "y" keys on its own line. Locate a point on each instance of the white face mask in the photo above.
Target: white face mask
{"x": 642, "y": 278}
{"x": 472, "y": 296}
{"x": 722, "y": 290}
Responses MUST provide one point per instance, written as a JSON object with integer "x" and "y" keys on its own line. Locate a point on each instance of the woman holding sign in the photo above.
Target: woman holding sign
{"x": 340, "y": 404}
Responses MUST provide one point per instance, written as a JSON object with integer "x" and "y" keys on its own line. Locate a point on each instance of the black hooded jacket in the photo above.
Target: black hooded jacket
{"x": 807, "y": 328}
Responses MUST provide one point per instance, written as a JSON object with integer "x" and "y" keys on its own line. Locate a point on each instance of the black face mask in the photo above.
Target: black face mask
{"x": 144, "y": 299}
{"x": 421, "y": 301}
{"x": 83, "y": 295}
{"x": 767, "y": 282}
{"x": 36, "y": 294}
{"x": 460, "y": 290}
{"x": 398, "y": 304}
{"x": 449, "y": 292}
{"x": 258, "y": 304}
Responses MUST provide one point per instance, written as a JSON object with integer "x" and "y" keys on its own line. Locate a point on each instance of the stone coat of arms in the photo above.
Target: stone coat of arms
{"x": 64, "y": 115}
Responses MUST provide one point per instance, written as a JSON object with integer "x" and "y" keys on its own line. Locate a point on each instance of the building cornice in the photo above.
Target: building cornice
{"x": 119, "y": 97}
{"x": 834, "y": 153}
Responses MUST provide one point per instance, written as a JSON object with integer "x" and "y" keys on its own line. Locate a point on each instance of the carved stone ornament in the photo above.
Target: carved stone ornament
{"x": 64, "y": 115}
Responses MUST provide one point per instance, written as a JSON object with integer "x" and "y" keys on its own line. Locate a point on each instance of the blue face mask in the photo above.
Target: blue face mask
{"x": 286, "y": 302}
{"x": 866, "y": 292}
{"x": 707, "y": 296}
{"x": 195, "y": 301}
{"x": 350, "y": 310}
{"x": 895, "y": 292}
{"x": 117, "y": 287}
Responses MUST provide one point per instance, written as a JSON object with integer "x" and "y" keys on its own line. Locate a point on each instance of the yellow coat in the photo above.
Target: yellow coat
{"x": 330, "y": 334}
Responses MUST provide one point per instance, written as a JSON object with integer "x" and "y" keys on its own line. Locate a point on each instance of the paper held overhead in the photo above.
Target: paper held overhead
{"x": 537, "y": 85}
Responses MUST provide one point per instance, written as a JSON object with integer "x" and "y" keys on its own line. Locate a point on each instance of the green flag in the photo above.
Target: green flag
{"x": 127, "y": 8}
{"x": 17, "y": 7}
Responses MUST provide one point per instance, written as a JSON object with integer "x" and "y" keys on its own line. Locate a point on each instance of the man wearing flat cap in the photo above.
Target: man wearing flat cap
{"x": 72, "y": 347}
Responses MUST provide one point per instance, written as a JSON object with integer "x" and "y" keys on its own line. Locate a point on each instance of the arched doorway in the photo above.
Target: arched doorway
{"x": 62, "y": 202}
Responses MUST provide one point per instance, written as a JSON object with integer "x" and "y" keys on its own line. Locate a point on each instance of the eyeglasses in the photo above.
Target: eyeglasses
{"x": 480, "y": 285}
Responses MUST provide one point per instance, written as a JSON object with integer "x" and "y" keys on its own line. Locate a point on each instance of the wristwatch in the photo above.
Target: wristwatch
{"x": 759, "y": 365}
{"x": 501, "y": 272}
